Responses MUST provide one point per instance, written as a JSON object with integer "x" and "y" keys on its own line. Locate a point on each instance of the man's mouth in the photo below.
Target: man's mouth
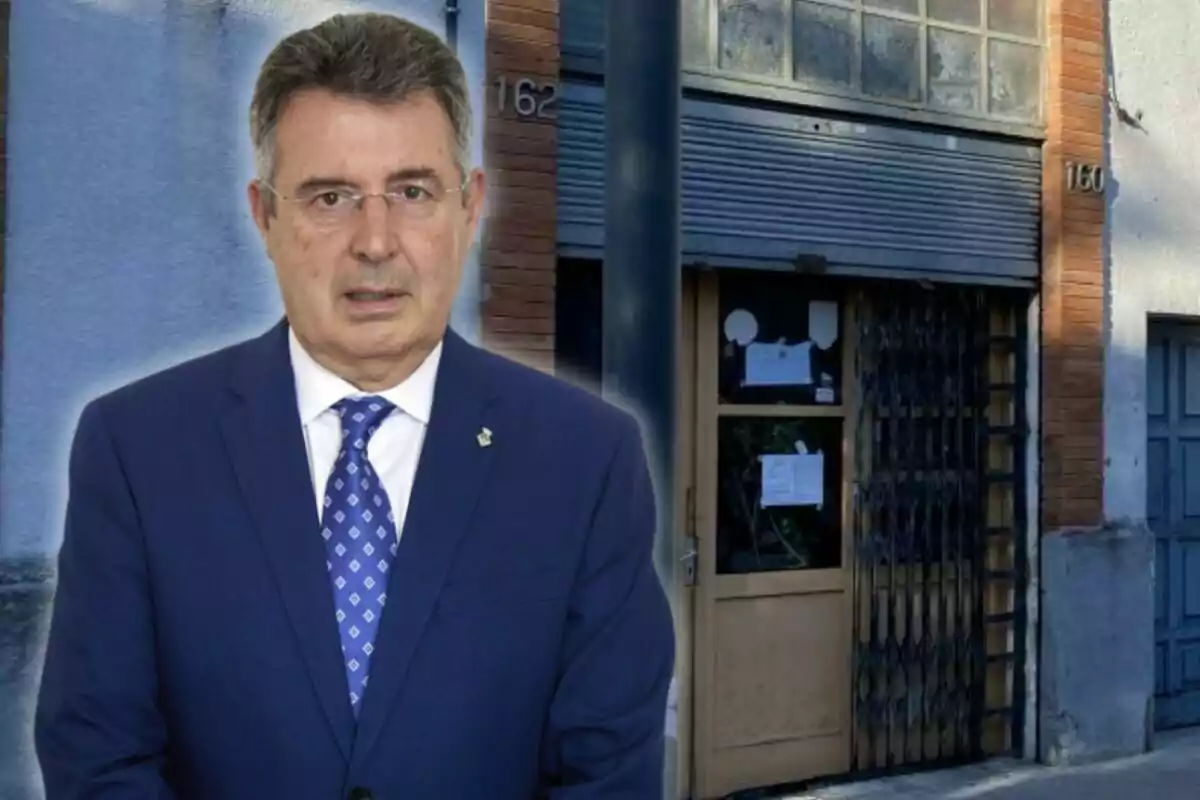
{"x": 367, "y": 296}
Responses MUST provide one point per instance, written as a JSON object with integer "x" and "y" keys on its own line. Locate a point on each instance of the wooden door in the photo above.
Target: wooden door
{"x": 772, "y": 438}
{"x": 1173, "y": 511}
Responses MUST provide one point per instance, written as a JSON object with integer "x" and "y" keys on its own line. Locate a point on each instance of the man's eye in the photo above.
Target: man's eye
{"x": 415, "y": 193}
{"x": 328, "y": 199}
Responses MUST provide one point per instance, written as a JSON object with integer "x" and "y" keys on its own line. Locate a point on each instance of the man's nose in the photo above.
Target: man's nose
{"x": 375, "y": 234}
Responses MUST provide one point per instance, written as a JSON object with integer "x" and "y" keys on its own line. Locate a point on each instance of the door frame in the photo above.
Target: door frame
{"x": 700, "y": 413}
{"x": 685, "y": 553}
{"x": 1175, "y": 333}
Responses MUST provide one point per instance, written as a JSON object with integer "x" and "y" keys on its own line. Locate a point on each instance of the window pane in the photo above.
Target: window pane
{"x": 824, "y": 43}
{"x": 890, "y": 52}
{"x": 907, "y": 6}
{"x": 753, "y": 537}
{"x": 1014, "y": 73}
{"x": 954, "y": 70}
{"x": 752, "y": 36}
{"x": 779, "y": 341}
{"x": 961, "y": 12}
{"x": 695, "y": 33}
{"x": 1019, "y": 17}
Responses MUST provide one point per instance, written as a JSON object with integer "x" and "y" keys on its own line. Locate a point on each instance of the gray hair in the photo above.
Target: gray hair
{"x": 377, "y": 57}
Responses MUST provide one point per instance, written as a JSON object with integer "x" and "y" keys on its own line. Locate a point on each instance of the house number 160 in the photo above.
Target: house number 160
{"x": 1085, "y": 178}
{"x": 528, "y": 97}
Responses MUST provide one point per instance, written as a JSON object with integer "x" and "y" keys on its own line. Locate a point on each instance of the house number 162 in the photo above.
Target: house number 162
{"x": 528, "y": 98}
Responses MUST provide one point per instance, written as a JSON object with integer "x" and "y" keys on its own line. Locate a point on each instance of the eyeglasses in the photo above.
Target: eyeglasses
{"x": 336, "y": 207}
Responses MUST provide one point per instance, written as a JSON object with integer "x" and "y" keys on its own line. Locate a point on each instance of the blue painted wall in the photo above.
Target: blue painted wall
{"x": 129, "y": 243}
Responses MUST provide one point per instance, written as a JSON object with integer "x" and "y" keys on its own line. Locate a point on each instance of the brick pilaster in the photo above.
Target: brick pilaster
{"x": 519, "y": 241}
{"x": 1073, "y": 268}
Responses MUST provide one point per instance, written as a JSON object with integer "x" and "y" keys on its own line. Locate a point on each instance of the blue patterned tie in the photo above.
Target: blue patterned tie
{"x": 360, "y": 538}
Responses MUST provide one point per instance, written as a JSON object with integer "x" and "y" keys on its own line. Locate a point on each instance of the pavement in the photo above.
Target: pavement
{"x": 1171, "y": 771}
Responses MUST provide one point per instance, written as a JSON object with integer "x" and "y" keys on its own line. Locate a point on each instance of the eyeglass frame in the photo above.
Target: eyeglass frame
{"x": 356, "y": 198}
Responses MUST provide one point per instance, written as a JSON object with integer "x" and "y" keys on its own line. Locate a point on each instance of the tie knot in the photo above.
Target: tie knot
{"x": 361, "y": 417}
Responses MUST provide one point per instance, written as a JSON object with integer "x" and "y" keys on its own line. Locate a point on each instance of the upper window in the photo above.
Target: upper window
{"x": 968, "y": 58}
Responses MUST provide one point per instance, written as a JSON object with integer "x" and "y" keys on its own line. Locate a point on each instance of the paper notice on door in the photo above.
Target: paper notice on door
{"x": 823, "y": 323}
{"x": 778, "y": 364}
{"x": 793, "y": 480}
{"x": 741, "y": 327}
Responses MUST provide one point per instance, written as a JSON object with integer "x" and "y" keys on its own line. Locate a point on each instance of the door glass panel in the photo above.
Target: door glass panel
{"x": 780, "y": 513}
{"x": 780, "y": 341}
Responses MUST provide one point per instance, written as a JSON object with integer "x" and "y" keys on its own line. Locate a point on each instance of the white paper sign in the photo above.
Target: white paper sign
{"x": 793, "y": 480}
{"x": 741, "y": 327}
{"x": 822, "y": 323}
{"x": 778, "y": 364}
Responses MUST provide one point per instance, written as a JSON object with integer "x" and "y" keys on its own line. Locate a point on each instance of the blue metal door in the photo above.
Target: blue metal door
{"x": 1173, "y": 511}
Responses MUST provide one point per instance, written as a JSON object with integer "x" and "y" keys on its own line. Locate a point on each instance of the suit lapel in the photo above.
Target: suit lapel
{"x": 452, "y": 470}
{"x": 265, "y": 441}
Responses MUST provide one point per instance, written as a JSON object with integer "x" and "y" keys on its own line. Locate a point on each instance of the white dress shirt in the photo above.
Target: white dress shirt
{"x": 395, "y": 448}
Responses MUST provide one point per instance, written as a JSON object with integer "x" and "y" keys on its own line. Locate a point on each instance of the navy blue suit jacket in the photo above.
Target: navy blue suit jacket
{"x": 525, "y": 651}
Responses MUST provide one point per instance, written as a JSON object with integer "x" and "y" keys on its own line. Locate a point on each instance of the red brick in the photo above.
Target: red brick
{"x": 1088, "y": 9}
{"x": 513, "y": 32}
{"x": 1090, "y": 24}
{"x": 1078, "y": 289}
{"x": 518, "y": 254}
{"x": 522, "y": 341}
{"x": 500, "y": 260}
{"x": 522, "y": 178}
{"x": 502, "y": 12}
{"x": 514, "y": 145}
{"x": 546, "y": 6}
{"x": 518, "y": 325}
{"x": 498, "y": 49}
{"x": 525, "y": 220}
{"x": 543, "y": 197}
{"x": 512, "y": 241}
{"x": 1090, "y": 43}
{"x": 509, "y": 293}
{"x": 543, "y": 163}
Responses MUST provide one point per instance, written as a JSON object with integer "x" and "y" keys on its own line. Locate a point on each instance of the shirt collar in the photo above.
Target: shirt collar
{"x": 317, "y": 388}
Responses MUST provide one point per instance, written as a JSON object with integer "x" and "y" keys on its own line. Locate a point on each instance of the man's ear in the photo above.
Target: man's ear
{"x": 475, "y": 193}
{"x": 260, "y": 205}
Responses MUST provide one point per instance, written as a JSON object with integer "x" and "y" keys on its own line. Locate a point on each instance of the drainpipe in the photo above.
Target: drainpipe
{"x": 641, "y": 274}
{"x": 451, "y": 9}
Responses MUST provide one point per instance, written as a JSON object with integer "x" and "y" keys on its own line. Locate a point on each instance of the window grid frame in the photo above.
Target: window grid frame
{"x": 854, "y": 93}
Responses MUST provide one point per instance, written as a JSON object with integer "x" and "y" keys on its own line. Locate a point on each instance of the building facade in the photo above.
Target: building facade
{"x": 933, "y": 353}
{"x": 893, "y": 360}
{"x": 1154, "y": 290}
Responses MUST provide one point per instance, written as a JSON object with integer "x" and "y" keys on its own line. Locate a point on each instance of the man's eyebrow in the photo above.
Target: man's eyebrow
{"x": 321, "y": 184}
{"x": 326, "y": 183}
{"x": 414, "y": 174}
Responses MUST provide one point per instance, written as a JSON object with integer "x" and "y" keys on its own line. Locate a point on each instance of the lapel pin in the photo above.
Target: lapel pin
{"x": 484, "y": 438}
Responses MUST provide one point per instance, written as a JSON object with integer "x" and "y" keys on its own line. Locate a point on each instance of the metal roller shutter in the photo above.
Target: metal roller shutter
{"x": 771, "y": 187}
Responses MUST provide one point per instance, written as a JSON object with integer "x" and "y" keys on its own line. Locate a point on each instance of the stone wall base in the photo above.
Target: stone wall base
{"x": 26, "y": 591}
{"x": 1097, "y": 665}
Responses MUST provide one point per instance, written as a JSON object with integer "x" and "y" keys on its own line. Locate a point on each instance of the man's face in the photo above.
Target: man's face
{"x": 367, "y": 288}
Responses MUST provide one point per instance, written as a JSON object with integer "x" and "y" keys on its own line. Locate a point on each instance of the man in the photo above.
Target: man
{"x": 357, "y": 557}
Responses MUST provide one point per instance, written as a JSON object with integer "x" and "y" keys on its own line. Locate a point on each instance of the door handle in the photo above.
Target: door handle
{"x": 688, "y": 561}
